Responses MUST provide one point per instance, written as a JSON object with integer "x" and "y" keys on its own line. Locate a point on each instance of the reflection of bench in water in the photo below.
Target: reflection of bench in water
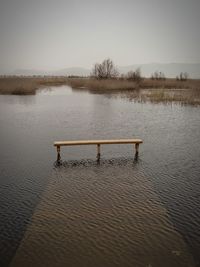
{"x": 58, "y": 144}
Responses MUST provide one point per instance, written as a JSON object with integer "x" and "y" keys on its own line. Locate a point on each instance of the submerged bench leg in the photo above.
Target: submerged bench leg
{"x": 58, "y": 154}
{"x": 98, "y": 152}
{"x": 136, "y": 148}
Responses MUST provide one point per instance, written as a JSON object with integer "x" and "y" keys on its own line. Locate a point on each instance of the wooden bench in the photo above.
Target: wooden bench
{"x": 58, "y": 144}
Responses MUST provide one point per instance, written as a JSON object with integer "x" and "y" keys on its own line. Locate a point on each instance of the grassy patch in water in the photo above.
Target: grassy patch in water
{"x": 27, "y": 85}
{"x": 147, "y": 89}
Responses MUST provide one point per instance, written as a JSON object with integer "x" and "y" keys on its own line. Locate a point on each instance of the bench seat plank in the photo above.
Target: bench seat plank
{"x": 96, "y": 142}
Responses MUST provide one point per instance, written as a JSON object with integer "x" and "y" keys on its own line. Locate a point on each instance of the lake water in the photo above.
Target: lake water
{"x": 120, "y": 212}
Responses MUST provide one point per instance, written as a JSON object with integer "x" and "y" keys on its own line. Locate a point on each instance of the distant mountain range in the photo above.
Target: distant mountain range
{"x": 170, "y": 70}
{"x": 63, "y": 72}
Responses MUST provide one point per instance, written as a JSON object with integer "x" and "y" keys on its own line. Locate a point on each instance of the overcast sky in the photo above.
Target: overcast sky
{"x": 55, "y": 34}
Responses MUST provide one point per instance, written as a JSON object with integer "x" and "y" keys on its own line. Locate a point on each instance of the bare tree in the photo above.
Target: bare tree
{"x": 134, "y": 75}
{"x": 158, "y": 75}
{"x": 105, "y": 70}
{"x": 183, "y": 76}
{"x": 155, "y": 75}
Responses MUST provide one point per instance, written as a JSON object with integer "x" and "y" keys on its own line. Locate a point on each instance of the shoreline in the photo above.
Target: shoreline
{"x": 169, "y": 90}
{"x": 29, "y": 85}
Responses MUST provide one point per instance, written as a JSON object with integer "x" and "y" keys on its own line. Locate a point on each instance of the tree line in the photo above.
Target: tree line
{"x": 108, "y": 70}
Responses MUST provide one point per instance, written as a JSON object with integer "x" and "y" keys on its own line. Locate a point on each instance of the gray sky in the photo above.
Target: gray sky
{"x": 55, "y": 34}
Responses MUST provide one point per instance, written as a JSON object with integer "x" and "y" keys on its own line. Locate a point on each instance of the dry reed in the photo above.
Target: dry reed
{"x": 108, "y": 84}
{"x": 156, "y": 89}
{"x": 27, "y": 85}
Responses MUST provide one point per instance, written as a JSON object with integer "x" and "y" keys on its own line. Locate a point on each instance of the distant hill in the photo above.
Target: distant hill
{"x": 73, "y": 71}
{"x": 28, "y": 72}
{"x": 170, "y": 70}
{"x": 68, "y": 71}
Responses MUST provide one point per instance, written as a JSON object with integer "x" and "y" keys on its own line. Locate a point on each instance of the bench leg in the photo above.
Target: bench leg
{"x": 136, "y": 148}
{"x": 58, "y": 154}
{"x": 98, "y": 152}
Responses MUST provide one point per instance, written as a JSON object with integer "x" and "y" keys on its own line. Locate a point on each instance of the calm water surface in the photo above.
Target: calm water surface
{"x": 121, "y": 212}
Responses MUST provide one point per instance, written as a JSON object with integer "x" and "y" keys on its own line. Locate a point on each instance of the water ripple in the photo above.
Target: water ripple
{"x": 106, "y": 215}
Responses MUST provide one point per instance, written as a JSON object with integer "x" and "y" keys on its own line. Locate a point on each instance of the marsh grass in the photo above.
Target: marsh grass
{"x": 184, "y": 96}
{"x": 170, "y": 90}
{"x": 28, "y": 85}
{"x": 107, "y": 84}
{"x": 167, "y": 91}
{"x": 18, "y": 86}
{"x": 170, "y": 84}
{"x": 123, "y": 84}
{"x": 167, "y": 96}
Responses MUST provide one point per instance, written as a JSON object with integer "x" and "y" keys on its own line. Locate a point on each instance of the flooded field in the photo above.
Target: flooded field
{"x": 120, "y": 212}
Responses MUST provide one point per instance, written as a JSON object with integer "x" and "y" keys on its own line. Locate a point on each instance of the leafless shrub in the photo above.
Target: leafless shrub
{"x": 183, "y": 76}
{"x": 158, "y": 75}
{"x": 104, "y": 70}
{"x": 134, "y": 75}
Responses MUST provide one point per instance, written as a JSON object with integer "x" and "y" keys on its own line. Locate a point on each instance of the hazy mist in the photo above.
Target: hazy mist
{"x": 51, "y": 35}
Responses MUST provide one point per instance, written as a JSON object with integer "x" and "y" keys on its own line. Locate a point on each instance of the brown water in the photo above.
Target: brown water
{"x": 121, "y": 212}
